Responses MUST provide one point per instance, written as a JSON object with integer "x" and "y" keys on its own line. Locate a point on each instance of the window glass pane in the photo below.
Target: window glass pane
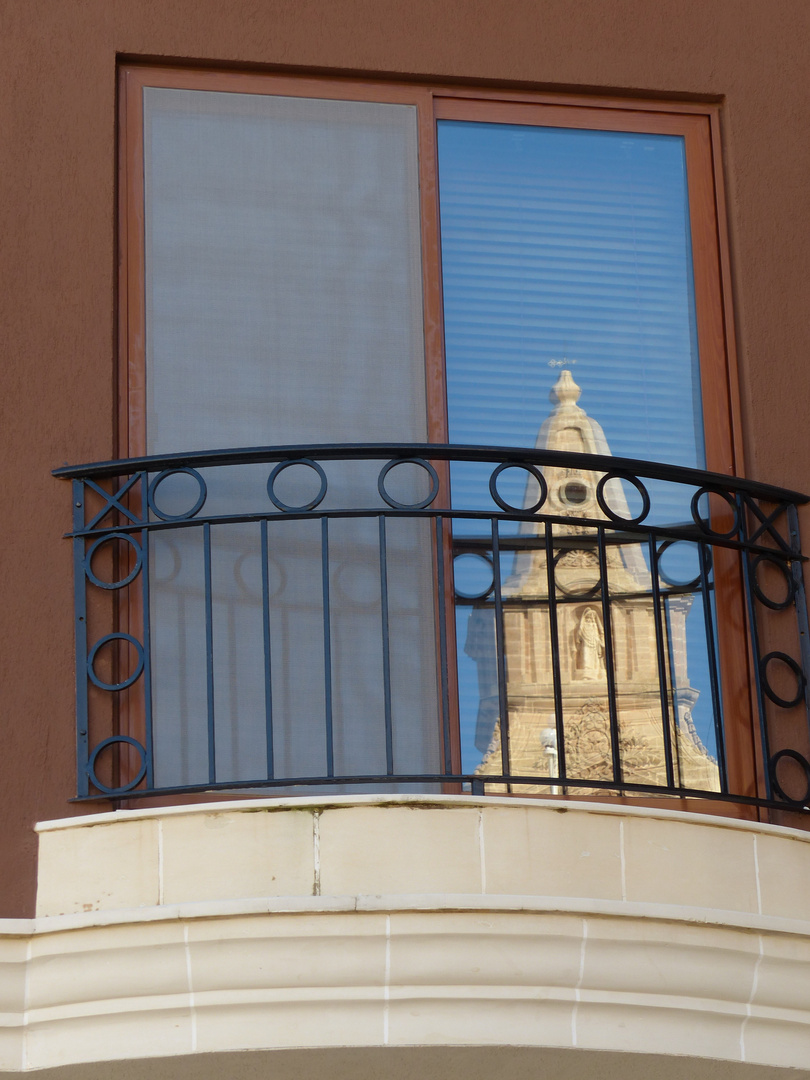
{"x": 284, "y": 306}
{"x": 570, "y": 250}
{"x": 567, "y": 248}
{"x": 284, "y": 286}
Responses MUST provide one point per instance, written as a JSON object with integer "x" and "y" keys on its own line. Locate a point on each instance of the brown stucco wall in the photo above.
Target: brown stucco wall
{"x": 57, "y": 267}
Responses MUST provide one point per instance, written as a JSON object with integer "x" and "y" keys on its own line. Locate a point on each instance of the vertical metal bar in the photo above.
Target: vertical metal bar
{"x": 662, "y": 662}
{"x": 500, "y": 648}
{"x": 443, "y": 672}
{"x": 80, "y": 585}
{"x": 793, "y": 528}
{"x": 555, "y": 653}
{"x": 753, "y": 629}
{"x": 610, "y": 670}
{"x": 386, "y": 651}
{"x": 800, "y": 603}
{"x": 148, "y": 734}
{"x": 327, "y": 649}
{"x": 209, "y": 654}
{"x": 714, "y": 678}
{"x": 268, "y": 673}
{"x": 672, "y": 666}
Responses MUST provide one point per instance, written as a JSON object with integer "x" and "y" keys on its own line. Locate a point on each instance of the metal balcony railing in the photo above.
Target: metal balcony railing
{"x": 314, "y": 618}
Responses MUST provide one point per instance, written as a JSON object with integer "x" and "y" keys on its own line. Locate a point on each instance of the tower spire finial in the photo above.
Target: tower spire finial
{"x": 565, "y": 391}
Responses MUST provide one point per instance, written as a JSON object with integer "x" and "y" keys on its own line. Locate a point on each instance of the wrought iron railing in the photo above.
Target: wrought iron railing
{"x": 551, "y": 631}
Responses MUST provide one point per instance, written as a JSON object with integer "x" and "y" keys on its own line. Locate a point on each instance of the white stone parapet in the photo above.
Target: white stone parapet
{"x": 396, "y": 935}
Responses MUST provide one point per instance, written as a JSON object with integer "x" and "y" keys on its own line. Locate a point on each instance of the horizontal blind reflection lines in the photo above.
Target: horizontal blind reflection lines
{"x": 492, "y": 226}
{"x": 278, "y": 231}
{"x": 582, "y": 270}
{"x": 499, "y": 233}
{"x": 577, "y": 263}
{"x": 508, "y": 357}
{"x": 601, "y": 393}
{"x": 605, "y": 328}
{"x": 568, "y": 244}
{"x": 590, "y": 201}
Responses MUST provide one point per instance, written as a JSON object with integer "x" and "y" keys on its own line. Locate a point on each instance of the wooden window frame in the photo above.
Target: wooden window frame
{"x": 697, "y": 123}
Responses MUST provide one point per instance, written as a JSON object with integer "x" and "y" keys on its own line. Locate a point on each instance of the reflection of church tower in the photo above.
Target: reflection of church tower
{"x": 533, "y": 742}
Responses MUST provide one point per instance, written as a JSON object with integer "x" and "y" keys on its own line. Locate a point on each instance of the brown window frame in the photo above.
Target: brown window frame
{"x": 697, "y": 123}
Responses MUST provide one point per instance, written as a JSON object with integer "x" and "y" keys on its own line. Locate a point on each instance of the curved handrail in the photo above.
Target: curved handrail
{"x": 432, "y": 451}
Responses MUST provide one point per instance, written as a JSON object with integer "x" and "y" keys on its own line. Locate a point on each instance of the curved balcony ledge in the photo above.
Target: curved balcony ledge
{"x": 327, "y": 933}
{"x": 408, "y": 847}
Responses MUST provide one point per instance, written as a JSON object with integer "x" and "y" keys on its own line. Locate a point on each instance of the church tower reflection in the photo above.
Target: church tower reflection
{"x": 653, "y": 723}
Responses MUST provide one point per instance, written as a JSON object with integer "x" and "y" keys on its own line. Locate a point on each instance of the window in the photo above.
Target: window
{"x": 334, "y": 262}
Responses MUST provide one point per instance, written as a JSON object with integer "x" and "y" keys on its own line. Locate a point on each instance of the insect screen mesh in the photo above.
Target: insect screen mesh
{"x": 283, "y": 299}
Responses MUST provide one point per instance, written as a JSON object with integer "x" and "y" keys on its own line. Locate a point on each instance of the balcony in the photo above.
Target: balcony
{"x": 368, "y": 677}
{"x": 324, "y": 620}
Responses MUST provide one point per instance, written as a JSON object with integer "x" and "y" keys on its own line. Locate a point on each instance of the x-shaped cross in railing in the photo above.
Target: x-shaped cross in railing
{"x": 767, "y": 524}
{"x": 113, "y": 501}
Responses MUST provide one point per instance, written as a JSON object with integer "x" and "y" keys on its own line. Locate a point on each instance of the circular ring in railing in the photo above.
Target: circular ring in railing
{"x": 152, "y": 494}
{"x": 485, "y": 558}
{"x": 774, "y": 605}
{"x": 783, "y": 703}
{"x": 634, "y": 482}
{"x": 287, "y": 507}
{"x": 126, "y": 682}
{"x": 88, "y": 561}
{"x": 667, "y": 578}
{"x": 794, "y": 755}
{"x": 703, "y": 524}
{"x": 532, "y": 470}
{"x": 91, "y": 765}
{"x": 574, "y": 594}
{"x": 394, "y": 503}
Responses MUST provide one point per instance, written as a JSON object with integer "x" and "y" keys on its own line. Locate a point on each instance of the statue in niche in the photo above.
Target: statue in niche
{"x": 590, "y": 646}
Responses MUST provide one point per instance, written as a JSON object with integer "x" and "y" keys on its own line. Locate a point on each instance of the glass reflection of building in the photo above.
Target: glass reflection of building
{"x": 534, "y": 748}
